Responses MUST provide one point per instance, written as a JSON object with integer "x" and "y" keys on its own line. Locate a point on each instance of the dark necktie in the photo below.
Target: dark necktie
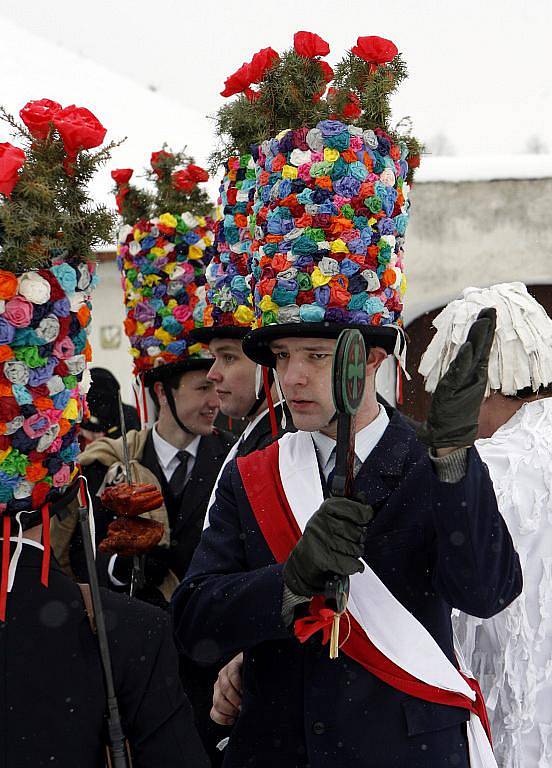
{"x": 178, "y": 477}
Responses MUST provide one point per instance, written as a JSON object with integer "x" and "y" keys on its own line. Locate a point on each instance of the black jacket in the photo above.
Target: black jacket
{"x": 52, "y": 698}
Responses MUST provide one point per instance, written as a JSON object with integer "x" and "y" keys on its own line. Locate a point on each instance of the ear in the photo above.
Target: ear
{"x": 160, "y": 392}
{"x": 376, "y": 356}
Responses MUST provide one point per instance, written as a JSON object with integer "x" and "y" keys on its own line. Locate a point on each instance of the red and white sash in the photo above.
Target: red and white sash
{"x": 284, "y": 490}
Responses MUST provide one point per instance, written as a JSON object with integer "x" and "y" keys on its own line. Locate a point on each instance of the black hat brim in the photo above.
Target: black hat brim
{"x": 207, "y": 334}
{"x": 168, "y": 370}
{"x": 256, "y": 344}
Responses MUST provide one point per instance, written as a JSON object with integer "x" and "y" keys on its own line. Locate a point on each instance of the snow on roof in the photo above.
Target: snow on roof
{"x": 34, "y": 68}
{"x": 484, "y": 168}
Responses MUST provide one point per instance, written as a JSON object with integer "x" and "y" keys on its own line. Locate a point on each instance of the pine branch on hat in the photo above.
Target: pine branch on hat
{"x": 48, "y": 208}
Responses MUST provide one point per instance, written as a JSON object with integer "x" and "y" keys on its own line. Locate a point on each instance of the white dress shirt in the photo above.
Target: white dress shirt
{"x": 167, "y": 454}
{"x": 365, "y": 441}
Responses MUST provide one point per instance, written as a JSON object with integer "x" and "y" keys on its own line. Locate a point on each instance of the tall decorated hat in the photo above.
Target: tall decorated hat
{"x": 331, "y": 203}
{"x": 48, "y": 229}
{"x": 165, "y": 245}
{"x": 229, "y": 311}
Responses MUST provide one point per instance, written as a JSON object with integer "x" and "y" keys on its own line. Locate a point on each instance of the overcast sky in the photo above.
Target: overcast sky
{"x": 480, "y": 69}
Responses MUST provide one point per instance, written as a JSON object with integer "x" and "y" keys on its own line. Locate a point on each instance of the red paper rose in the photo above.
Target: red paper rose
{"x": 238, "y": 82}
{"x": 182, "y": 182}
{"x": 38, "y": 116}
{"x": 252, "y": 95}
{"x": 79, "y": 129}
{"x": 11, "y": 160}
{"x": 375, "y": 50}
{"x": 353, "y": 108}
{"x": 327, "y": 71}
{"x": 262, "y": 61}
{"x": 157, "y": 156}
{"x": 310, "y": 45}
{"x": 196, "y": 173}
{"x": 121, "y": 176}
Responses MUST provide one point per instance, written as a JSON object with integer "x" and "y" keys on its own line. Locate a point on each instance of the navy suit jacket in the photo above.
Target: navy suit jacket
{"x": 434, "y": 545}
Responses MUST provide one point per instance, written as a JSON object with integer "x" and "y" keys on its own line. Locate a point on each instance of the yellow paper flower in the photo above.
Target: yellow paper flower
{"x": 289, "y": 172}
{"x": 339, "y": 246}
{"x": 163, "y": 336}
{"x": 319, "y": 278}
{"x": 172, "y": 303}
{"x": 157, "y": 251}
{"x": 152, "y": 280}
{"x": 201, "y": 221}
{"x": 331, "y": 155}
{"x": 403, "y": 284}
{"x": 4, "y": 454}
{"x": 194, "y": 252}
{"x": 194, "y": 349}
{"x": 168, "y": 220}
{"x": 244, "y": 315}
{"x": 266, "y": 304}
{"x": 71, "y": 411}
{"x": 140, "y": 328}
{"x": 135, "y": 352}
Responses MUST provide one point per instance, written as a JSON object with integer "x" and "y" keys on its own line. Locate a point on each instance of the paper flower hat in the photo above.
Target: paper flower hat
{"x": 48, "y": 227}
{"x": 331, "y": 202}
{"x": 229, "y": 309}
{"x": 165, "y": 246}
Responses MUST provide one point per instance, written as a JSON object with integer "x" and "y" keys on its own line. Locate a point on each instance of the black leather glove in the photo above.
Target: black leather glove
{"x": 454, "y": 414}
{"x": 331, "y": 544}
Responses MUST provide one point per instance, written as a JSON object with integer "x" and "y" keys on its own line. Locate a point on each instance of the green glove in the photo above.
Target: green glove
{"x": 454, "y": 413}
{"x": 331, "y": 544}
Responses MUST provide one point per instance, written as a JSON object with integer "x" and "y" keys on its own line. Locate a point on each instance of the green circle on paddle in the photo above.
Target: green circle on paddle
{"x": 349, "y": 371}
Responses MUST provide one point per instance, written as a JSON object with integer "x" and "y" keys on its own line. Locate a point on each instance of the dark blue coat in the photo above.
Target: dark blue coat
{"x": 435, "y": 546}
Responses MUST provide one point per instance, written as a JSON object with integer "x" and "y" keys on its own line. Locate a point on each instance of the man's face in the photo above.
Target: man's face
{"x": 233, "y": 376}
{"x": 196, "y": 402}
{"x": 304, "y": 367}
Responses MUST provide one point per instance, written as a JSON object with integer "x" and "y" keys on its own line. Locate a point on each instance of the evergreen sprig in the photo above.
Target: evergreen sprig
{"x": 292, "y": 94}
{"x": 163, "y": 196}
{"x": 50, "y": 212}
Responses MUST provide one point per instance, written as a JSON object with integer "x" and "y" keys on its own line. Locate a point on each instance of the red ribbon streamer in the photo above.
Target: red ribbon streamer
{"x": 46, "y": 543}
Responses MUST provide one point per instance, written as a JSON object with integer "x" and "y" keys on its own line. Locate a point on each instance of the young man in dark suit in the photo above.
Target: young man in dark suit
{"x": 430, "y": 537}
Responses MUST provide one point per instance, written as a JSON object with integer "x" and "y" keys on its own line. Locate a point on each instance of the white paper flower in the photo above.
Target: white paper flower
{"x": 34, "y": 288}
{"x": 189, "y": 220}
{"x": 48, "y": 438}
{"x": 16, "y": 371}
{"x": 370, "y": 139}
{"x": 134, "y": 248}
{"x": 314, "y": 140}
{"x": 387, "y": 177}
{"x": 124, "y": 232}
{"x": 300, "y": 157}
{"x": 86, "y": 381}
{"x": 289, "y": 314}
{"x": 13, "y": 425}
{"x": 75, "y": 364}
{"x": 84, "y": 277}
{"x": 55, "y": 385}
{"x": 24, "y": 489}
{"x": 328, "y": 266}
{"x": 372, "y": 279}
{"x": 48, "y": 329}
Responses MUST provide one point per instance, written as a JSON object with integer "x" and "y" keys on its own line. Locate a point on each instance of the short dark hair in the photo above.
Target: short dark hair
{"x": 173, "y": 382}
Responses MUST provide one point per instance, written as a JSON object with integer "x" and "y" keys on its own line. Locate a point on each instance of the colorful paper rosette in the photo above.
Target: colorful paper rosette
{"x": 229, "y": 298}
{"x": 44, "y": 350}
{"x": 330, "y": 215}
{"x": 162, "y": 263}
